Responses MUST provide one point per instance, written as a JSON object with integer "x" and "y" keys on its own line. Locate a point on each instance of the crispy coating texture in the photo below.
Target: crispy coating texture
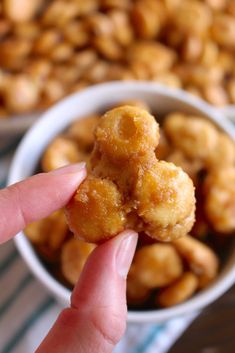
{"x": 200, "y": 258}
{"x": 193, "y": 135}
{"x": 157, "y": 265}
{"x": 121, "y": 133}
{"x": 74, "y": 255}
{"x": 60, "y": 152}
{"x": 165, "y": 201}
{"x": 179, "y": 291}
{"x": 95, "y": 213}
{"x": 151, "y": 196}
{"x": 219, "y": 188}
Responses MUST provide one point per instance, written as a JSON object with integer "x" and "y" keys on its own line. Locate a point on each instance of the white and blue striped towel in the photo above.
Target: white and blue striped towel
{"x": 27, "y": 311}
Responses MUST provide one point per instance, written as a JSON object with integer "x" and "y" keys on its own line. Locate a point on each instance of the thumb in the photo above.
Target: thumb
{"x": 96, "y": 320}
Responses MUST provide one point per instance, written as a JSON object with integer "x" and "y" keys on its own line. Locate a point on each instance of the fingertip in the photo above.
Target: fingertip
{"x": 69, "y": 169}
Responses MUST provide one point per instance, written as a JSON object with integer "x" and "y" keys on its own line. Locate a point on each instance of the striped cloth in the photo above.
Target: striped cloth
{"x": 27, "y": 311}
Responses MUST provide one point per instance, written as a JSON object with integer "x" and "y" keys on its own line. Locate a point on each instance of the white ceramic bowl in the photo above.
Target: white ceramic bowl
{"x": 99, "y": 98}
{"x": 18, "y": 125}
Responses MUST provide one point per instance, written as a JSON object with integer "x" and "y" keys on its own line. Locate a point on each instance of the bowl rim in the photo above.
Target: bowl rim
{"x": 197, "y": 302}
{"x": 19, "y": 124}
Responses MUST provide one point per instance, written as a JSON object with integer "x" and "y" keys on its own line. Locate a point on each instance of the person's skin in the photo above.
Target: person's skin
{"x": 96, "y": 319}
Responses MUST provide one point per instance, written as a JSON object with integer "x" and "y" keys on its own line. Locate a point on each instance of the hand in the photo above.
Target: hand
{"x": 96, "y": 319}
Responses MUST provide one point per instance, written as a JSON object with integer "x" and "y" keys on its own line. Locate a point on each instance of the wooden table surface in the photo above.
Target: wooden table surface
{"x": 213, "y": 331}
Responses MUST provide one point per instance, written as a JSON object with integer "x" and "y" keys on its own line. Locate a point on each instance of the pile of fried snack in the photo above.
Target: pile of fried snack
{"x": 146, "y": 178}
{"x": 50, "y": 49}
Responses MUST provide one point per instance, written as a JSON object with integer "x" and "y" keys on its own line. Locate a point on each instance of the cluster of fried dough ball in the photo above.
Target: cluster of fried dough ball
{"x": 52, "y": 48}
{"x": 127, "y": 186}
{"x": 162, "y": 274}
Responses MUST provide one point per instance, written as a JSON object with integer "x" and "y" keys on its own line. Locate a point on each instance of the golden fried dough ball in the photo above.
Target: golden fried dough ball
{"x": 60, "y": 152}
{"x": 153, "y": 56}
{"x": 82, "y": 131}
{"x": 121, "y": 133}
{"x": 215, "y": 94}
{"x": 223, "y": 30}
{"x": 108, "y": 48}
{"x": 122, "y": 29}
{"x": 27, "y": 30}
{"x": 136, "y": 292}
{"x": 223, "y": 155}
{"x": 219, "y": 206}
{"x": 192, "y": 48}
{"x": 168, "y": 79}
{"x": 21, "y": 11}
{"x": 165, "y": 201}
{"x": 50, "y": 231}
{"x": 200, "y": 258}
{"x": 95, "y": 213}
{"x": 217, "y": 4}
{"x": 193, "y": 17}
{"x": 59, "y": 13}
{"x": 157, "y": 265}
{"x": 193, "y": 135}
{"x": 146, "y": 21}
{"x": 74, "y": 255}
{"x": 21, "y": 94}
{"x": 179, "y": 291}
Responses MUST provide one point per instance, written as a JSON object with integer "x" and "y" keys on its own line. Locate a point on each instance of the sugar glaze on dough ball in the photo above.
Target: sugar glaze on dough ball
{"x": 127, "y": 186}
{"x": 95, "y": 212}
{"x": 165, "y": 199}
{"x": 126, "y": 132}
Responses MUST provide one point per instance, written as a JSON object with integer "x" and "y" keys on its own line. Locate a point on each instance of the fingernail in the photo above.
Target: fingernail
{"x": 126, "y": 252}
{"x": 69, "y": 169}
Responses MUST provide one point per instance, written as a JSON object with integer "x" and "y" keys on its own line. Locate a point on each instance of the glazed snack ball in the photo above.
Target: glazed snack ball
{"x": 74, "y": 255}
{"x": 60, "y": 152}
{"x": 193, "y": 135}
{"x": 224, "y": 154}
{"x": 152, "y": 196}
{"x": 179, "y": 291}
{"x": 99, "y": 200}
{"x": 157, "y": 265}
{"x": 219, "y": 188}
{"x": 82, "y": 131}
{"x": 121, "y": 134}
{"x": 165, "y": 201}
{"x": 200, "y": 258}
{"x": 136, "y": 292}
